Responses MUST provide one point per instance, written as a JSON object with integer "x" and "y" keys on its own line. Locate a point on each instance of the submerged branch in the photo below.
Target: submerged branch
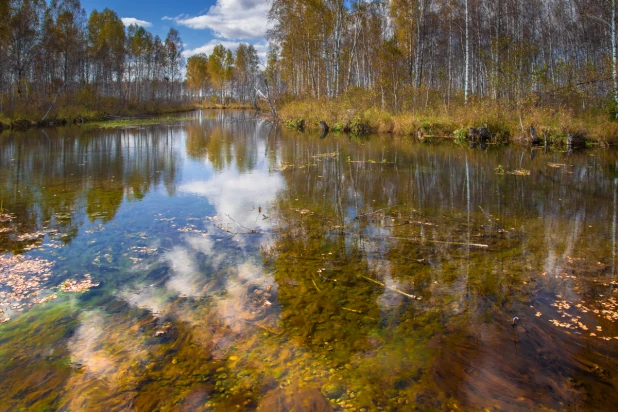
{"x": 377, "y": 282}
{"x": 376, "y": 211}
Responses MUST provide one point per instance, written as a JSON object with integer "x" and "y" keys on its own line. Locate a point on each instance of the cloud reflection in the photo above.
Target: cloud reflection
{"x": 239, "y": 195}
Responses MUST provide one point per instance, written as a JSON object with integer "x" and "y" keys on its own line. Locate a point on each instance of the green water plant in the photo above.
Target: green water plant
{"x": 460, "y": 136}
{"x": 107, "y": 124}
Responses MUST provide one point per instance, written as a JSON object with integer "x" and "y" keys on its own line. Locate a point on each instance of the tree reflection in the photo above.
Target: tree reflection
{"x": 49, "y": 177}
{"x": 440, "y": 224}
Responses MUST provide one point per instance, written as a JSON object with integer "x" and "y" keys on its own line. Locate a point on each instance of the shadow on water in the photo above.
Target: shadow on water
{"x": 241, "y": 266}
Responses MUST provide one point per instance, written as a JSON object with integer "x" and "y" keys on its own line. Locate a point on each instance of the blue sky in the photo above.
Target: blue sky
{"x": 202, "y": 24}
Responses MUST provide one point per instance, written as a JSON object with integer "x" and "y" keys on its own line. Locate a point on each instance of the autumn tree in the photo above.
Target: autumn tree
{"x": 24, "y": 35}
{"x": 217, "y": 70}
{"x": 173, "y": 58}
{"x": 106, "y": 49}
{"x": 246, "y": 69}
{"x": 198, "y": 77}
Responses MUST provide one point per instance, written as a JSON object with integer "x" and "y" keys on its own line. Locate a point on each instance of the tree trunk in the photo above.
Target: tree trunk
{"x": 467, "y": 57}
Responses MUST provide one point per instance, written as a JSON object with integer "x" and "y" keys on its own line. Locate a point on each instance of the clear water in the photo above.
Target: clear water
{"x": 239, "y": 266}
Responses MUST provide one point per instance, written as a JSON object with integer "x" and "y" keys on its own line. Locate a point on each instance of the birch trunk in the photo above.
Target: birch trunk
{"x": 337, "y": 48}
{"x": 467, "y": 59}
{"x": 614, "y": 67}
{"x": 419, "y": 45}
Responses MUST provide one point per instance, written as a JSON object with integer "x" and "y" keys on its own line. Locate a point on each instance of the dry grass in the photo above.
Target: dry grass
{"x": 357, "y": 114}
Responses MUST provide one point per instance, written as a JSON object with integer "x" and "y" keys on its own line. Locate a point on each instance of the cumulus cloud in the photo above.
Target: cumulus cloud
{"x": 127, "y": 21}
{"x": 233, "y": 19}
{"x": 207, "y": 48}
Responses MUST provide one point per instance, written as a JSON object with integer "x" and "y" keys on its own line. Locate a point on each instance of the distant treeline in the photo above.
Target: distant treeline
{"x": 394, "y": 54}
{"x": 53, "y": 54}
{"x": 224, "y": 74}
{"x": 413, "y": 52}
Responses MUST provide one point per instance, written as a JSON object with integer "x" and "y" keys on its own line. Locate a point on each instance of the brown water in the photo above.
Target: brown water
{"x": 233, "y": 265}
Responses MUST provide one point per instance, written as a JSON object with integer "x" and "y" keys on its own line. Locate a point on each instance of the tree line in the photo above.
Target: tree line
{"x": 224, "y": 75}
{"x": 55, "y": 53}
{"x": 411, "y": 52}
{"x": 401, "y": 53}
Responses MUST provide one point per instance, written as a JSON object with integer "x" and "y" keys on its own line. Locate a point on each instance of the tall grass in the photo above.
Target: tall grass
{"x": 357, "y": 112}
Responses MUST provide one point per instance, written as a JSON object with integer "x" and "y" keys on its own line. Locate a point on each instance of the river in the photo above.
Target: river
{"x": 223, "y": 263}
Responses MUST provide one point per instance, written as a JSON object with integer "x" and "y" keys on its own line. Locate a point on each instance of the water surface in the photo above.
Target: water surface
{"x": 222, "y": 263}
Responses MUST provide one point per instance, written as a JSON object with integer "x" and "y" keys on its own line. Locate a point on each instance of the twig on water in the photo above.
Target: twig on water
{"x": 486, "y": 215}
{"x": 375, "y": 211}
{"x": 479, "y": 245}
{"x": 251, "y": 231}
{"x": 377, "y": 282}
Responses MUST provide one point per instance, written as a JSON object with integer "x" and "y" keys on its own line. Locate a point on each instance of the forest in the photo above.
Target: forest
{"x": 401, "y": 66}
{"x": 452, "y": 49}
{"x": 525, "y": 62}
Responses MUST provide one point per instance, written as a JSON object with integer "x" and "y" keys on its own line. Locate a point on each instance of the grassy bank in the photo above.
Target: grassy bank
{"x": 504, "y": 122}
{"x": 73, "y": 112}
{"x": 108, "y": 114}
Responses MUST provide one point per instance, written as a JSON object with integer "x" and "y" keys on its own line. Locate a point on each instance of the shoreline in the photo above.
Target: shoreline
{"x": 499, "y": 123}
{"x": 361, "y": 122}
{"x": 103, "y": 118}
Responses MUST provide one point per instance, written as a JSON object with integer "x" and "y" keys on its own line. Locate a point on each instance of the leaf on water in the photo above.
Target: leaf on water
{"x": 520, "y": 172}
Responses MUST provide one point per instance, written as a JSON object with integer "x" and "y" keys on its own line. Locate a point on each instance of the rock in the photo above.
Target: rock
{"x": 472, "y": 133}
{"x": 324, "y": 127}
{"x": 484, "y": 133}
{"x": 332, "y": 390}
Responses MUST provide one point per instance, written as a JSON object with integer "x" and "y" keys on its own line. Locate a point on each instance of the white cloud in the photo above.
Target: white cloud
{"x": 207, "y": 48}
{"x": 167, "y": 18}
{"x": 127, "y": 21}
{"x": 233, "y": 19}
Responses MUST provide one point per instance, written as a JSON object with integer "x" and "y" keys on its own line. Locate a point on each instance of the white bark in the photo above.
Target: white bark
{"x": 614, "y": 67}
{"x": 419, "y": 44}
{"x": 467, "y": 59}
{"x": 337, "y": 47}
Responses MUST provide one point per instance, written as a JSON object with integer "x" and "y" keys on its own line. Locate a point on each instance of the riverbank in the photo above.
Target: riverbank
{"x": 504, "y": 123}
{"x": 145, "y": 112}
{"x": 139, "y": 115}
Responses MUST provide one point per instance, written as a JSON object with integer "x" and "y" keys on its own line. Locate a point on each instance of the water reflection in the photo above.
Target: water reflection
{"x": 53, "y": 180}
{"x": 244, "y": 266}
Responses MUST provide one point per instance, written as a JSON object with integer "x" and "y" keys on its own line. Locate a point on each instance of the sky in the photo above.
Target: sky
{"x": 201, "y": 24}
